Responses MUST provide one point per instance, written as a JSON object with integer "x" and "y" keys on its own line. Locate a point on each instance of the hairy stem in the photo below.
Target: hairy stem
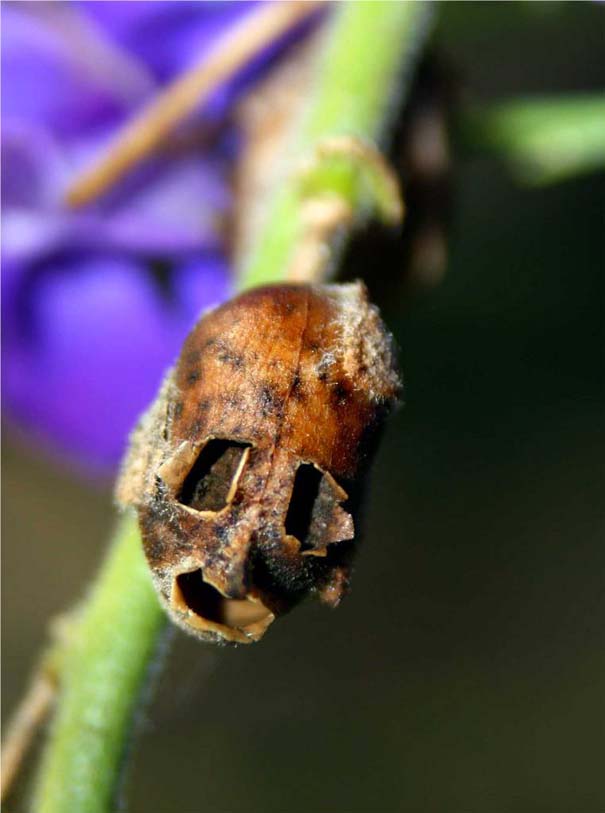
{"x": 103, "y": 672}
{"x": 368, "y": 56}
{"x": 369, "y": 46}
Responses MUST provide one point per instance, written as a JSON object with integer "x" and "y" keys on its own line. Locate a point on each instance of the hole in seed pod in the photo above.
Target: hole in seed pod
{"x": 211, "y": 606}
{"x": 302, "y": 503}
{"x": 212, "y": 481}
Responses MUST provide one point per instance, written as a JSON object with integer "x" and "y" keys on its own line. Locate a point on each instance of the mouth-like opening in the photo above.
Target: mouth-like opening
{"x": 241, "y": 620}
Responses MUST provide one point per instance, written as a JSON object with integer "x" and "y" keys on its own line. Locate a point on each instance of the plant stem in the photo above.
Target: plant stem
{"x": 105, "y": 667}
{"x": 368, "y": 46}
{"x": 369, "y": 53}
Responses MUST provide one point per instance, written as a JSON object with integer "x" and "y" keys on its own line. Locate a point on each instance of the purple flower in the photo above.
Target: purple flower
{"x": 96, "y": 302}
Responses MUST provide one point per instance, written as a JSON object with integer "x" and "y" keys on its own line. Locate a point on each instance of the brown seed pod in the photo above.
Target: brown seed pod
{"x": 245, "y": 469}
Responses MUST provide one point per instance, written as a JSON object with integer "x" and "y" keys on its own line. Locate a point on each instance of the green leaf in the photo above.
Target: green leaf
{"x": 545, "y": 140}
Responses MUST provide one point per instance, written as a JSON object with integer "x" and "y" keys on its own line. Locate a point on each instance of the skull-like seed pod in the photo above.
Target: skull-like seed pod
{"x": 244, "y": 470}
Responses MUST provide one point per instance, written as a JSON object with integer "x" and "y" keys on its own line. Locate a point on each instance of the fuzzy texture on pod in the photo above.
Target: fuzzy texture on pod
{"x": 245, "y": 470}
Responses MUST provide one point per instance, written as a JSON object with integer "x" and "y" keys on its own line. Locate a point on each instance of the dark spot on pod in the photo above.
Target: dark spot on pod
{"x": 196, "y": 429}
{"x": 222, "y": 531}
{"x": 340, "y": 394}
{"x": 269, "y": 402}
{"x": 227, "y": 354}
{"x": 296, "y": 391}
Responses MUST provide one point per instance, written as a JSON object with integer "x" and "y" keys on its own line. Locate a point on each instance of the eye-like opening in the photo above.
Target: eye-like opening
{"x": 316, "y": 517}
{"x": 238, "y": 620}
{"x": 212, "y": 480}
{"x": 302, "y": 504}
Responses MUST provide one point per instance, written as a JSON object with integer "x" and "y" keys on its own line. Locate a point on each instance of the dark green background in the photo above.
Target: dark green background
{"x": 466, "y": 672}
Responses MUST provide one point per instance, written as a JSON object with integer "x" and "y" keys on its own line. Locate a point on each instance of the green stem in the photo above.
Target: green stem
{"x": 105, "y": 666}
{"x": 369, "y": 52}
{"x": 368, "y": 47}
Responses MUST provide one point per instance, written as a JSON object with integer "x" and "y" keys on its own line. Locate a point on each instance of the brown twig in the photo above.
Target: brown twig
{"x": 143, "y": 135}
{"x": 29, "y": 716}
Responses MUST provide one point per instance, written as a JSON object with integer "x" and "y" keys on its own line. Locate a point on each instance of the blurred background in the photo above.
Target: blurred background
{"x": 466, "y": 671}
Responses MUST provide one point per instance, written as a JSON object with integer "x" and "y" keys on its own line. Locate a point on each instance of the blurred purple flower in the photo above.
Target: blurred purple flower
{"x": 96, "y": 303}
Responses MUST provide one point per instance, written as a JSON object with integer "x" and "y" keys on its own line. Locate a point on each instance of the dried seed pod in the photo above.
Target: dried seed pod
{"x": 243, "y": 470}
